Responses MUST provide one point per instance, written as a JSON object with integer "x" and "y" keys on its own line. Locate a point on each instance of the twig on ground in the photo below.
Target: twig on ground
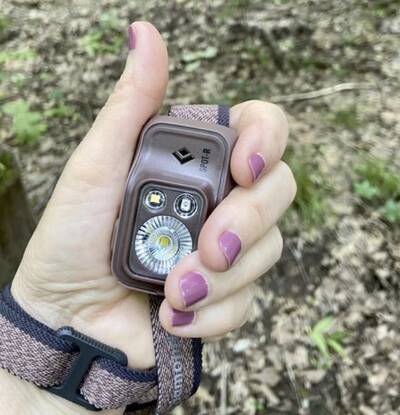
{"x": 224, "y": 387}
{"x": 348, "y": 86}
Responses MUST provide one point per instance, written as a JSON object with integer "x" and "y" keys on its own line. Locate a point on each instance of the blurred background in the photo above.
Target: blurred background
{"x": 325, "y": 335}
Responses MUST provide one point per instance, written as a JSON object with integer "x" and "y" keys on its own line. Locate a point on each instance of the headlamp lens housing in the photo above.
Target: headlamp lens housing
{"x": 161, "y": 242}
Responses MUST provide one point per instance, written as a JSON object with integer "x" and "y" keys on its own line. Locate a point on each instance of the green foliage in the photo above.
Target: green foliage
{"x": 27, "y": 125}
{"x": 17, "y": 55}
{"x": 326, "y": 341}
{"x": 258, "y": 405}
{"x": 105, "y": 38}
{"x": 346, "y": 118}
{"x": 312, "y": 188}
{"x": 391, "y": 211}
{"x": 5, "y": 23}
{"x": 381, "y": 175}
{"x": 193, "y": 59}
{"x": 7, "y": 170}
{"x": 382, "y": 9}
{"x": 61, "y": 111}
{"x": 56, "y": 94}
{"x": 378, "y": 183}
{"x": 11, "y": 76}
{"x": 366, "y": 190}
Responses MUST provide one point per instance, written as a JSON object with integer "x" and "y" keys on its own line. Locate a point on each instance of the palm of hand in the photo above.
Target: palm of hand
{"x": 66, "y": 266}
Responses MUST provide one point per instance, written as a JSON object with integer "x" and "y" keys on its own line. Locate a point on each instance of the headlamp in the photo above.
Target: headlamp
{"x": 179, "y": 175}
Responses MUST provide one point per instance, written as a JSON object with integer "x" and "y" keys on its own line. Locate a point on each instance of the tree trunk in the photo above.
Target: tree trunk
{"x": 16, "y": 220}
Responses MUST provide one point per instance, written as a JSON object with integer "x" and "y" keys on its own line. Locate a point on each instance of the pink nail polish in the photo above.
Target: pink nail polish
{"x": 230, "y": 245}
{"x": 193, "y": 288}
{"x": 131, "y": 38}
{"x": 257, "y": 165}
{"x": 182, "y": 318}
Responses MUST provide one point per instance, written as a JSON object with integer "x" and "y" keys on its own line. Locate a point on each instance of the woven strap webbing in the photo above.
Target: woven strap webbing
{"x": 178, "y": 360}
{"x": 216, "y": 114}
{"x": 34, "y": 352}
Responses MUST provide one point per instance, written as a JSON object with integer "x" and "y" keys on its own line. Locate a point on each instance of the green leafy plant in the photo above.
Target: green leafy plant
{"x": 193, "y": 59}
{"x": 366, "y": 190}
{"x": 327, "y": 341}
{"x": 381, "y": 175}
{"x": 11, "y": 75}
{"x": 5, "y": 23}
{"x": 347, "y": 118}
{"x": 105, "y": 38}
{"x": 312, "y": 188}
{"x": 60, "y": 111}
{"x": 258, "y": 405}
{"x": 391, "y": 211}
{"x": 17, "y": 55}
{"x": 7, "y": 170}
{"x": 378, "y": 183}
{"x": 27, "y": 125}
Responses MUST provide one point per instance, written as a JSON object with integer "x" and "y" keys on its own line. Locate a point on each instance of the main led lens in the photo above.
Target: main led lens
{"x": 161, "y": 242}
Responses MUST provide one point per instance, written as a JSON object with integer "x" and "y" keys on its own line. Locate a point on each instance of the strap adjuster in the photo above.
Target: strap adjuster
{"x": 89, "y": 349}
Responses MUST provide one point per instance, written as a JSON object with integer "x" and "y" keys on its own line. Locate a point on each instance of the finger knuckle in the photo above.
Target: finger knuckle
{"x": 249, "y": 302}
{"x": 127, "y": 88}
{"x": 123, "y": 89}
{"x": 289, "y": 179}
{"x": 251, "y": 104}
{"x": 259, "y": 215}
{"x": 278, "y": 242}
{"x": 281, "y": 114}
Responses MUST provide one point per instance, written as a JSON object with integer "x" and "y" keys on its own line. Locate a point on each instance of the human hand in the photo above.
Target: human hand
{"x": 65, "y": 278}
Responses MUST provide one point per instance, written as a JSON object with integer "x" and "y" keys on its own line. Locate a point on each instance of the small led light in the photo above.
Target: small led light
{"x": 161, "y": 242}
{"x": 155, "y": 199}
{"x": 185, "y": 205}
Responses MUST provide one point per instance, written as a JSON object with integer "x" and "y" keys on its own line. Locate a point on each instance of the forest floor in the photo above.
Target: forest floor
{"x": 324, "y": 337}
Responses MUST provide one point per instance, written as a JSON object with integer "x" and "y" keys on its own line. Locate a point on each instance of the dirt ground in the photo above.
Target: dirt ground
{"x": 324, "y": 337}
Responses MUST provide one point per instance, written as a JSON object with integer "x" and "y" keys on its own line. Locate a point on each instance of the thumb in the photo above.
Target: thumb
{"x": 104, "y": 155}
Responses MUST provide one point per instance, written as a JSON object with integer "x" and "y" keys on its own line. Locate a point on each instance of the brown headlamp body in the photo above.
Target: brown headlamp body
{"x": 183, "y": 160}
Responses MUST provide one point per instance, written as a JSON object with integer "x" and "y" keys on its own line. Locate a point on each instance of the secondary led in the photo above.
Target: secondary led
{"x": 185, "y": 205}
{"x": 155, "y": 199}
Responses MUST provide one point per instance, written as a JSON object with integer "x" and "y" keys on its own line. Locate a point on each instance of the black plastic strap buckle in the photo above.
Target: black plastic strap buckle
{"x": 89, "y": 349}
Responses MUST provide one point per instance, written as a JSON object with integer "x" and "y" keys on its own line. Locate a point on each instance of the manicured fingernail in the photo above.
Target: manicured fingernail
{"x": 257, "y": 165}
{"x": 131, "y": 38}
{"x": 182, "y": 318}
{"x": 193, "y": 288}
{"x": 230, "y": 245}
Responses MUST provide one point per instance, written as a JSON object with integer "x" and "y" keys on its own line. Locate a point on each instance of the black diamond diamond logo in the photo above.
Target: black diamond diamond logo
{"x": 183, "y": 155}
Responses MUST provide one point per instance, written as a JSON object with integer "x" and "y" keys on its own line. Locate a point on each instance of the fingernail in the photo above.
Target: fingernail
{"x": 257, "y": 165}
{"x": 230, "y": 245}
{"x": 182, "y": 318}
{"x": 193, "y": 288}
{"x": 131, "y": 38}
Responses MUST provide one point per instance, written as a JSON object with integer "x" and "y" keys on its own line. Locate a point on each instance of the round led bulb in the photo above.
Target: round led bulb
{"x": 185, "y": 205}
{"x": 155, "y": 199}
{"x": 161, "y": 242}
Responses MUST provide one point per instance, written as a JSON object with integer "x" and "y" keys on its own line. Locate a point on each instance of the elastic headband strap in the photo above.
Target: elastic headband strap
{"x": 178, "y": 360}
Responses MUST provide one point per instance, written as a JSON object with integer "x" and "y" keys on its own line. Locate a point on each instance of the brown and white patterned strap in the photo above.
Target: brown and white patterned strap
{"x": 47, "y": 358}
{"x": 179, "y": 360}
{"x": 38, "y": 354}
{"x": 215, "y": 114}
{"x": 90, "y": 373}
